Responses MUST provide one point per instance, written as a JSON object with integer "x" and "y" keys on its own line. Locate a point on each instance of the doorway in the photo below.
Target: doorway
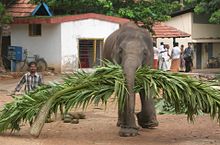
{"x": 6, "y": 41}
{"x": 198, "y": 48}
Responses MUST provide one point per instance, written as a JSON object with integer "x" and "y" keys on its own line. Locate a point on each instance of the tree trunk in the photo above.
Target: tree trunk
{"x": 182, "y": 4}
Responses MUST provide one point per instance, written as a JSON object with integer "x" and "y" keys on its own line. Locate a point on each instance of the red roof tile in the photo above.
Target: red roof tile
{"x": 60, "y": 19}
{"x": 161, "y": 30}
{"x": 21, "y": 8}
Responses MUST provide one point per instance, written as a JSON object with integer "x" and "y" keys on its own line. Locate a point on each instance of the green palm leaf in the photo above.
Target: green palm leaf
{"x": 81, "y": 89}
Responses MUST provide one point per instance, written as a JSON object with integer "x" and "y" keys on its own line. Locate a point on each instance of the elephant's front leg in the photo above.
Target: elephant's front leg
{"x": 128, "y": 126}
{"x": 147, "y": 117}
{"x": 121, "y": 118}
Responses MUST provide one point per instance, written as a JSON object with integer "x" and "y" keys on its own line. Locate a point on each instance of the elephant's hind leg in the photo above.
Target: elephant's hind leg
{"x": 145, "y": 121}
{"x": 147, "y": 117}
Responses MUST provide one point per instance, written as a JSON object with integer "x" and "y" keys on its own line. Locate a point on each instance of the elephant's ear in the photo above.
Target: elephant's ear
{"x": 116, "y": 54}
{"x": 149, "y": 57}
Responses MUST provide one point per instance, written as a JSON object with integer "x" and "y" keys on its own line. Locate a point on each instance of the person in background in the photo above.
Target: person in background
{"x": 161, "y": 51}
{"x": 156, "y": 53}
{"x": 164, "y": 63}
{"x": 188, "y": 57}
{"x": 175, "y": 55}
{"x": 182, "y": 61}
{"x": 31, "y": 79}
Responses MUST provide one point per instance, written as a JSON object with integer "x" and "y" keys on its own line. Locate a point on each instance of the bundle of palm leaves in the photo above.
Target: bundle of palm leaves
{"x": 81, "y": 89}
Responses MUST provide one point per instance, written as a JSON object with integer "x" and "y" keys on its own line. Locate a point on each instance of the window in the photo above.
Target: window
{"x": 90, "y": 52}
{"x": 34, "y": 29}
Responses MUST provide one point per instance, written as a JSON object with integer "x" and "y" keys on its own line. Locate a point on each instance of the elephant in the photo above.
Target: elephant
{"x": 131, "y": 47}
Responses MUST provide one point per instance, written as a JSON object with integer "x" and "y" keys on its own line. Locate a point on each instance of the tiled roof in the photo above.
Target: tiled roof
{"x": 162, "y": 30}
{"x": 21, "y": 8}
{"x": 60, "y": 19}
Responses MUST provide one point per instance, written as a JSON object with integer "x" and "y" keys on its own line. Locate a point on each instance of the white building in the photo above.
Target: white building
{"x": 205, "y": 36}
{"x": 67, "y": 42}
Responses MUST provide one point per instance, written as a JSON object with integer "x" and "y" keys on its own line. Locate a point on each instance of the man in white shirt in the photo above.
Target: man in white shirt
{"x": 164, "y": 57}
{"x": 156, "y": 53}
{"x": 175, "y": 55}
{"x": 161, "y": 51}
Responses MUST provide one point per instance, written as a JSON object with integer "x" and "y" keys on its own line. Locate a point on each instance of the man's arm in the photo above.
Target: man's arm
{"x": 20, "y": 84}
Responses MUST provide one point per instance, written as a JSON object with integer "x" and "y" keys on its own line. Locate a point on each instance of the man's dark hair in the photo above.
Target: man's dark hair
{"x": 32, "y": 63}
{"x": 161, "y": 43}
{"x": 176, "y": 44}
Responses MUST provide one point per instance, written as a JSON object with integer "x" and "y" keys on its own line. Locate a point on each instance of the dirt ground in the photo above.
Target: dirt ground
{"x": 99, "y": 128}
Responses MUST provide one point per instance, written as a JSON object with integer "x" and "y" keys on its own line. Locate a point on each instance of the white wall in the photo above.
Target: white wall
{"x": 47, "y": 45}
{"x": 205, "y": 31}
{"x": 58, "y": 43}
{"x": 200, "y": 33}
{"x": 183, "y": 23}
{"x": 181, "y": 41}
{"x": 71, "y": 32}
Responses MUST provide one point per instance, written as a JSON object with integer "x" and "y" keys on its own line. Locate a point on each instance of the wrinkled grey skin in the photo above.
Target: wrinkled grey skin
{"x": 131, "y": 47}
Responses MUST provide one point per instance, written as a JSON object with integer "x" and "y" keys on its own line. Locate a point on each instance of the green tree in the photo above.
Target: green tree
{"x": 145, "y": 11}
{"x": 211, "y": 7}
{"x": 5, "y": 18}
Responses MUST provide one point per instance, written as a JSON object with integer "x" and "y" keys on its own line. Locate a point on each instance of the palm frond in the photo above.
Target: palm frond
{"x": 81, "y": 89}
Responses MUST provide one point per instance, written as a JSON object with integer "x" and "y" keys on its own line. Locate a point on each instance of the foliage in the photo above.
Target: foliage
{"x": 163, "y": 107}
{"x": 211, "y": 7}
{"x": 5, "y": 18}
{"x": 143, "y": 11}
{"x": 82, "y": 89}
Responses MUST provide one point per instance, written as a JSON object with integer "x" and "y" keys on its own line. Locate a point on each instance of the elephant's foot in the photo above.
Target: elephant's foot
{"x": 145, "y": 122}
{"x": 128, "y": 132}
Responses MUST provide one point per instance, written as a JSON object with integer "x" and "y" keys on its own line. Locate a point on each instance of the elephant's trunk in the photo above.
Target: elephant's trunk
{"x": 129, "y": 72}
